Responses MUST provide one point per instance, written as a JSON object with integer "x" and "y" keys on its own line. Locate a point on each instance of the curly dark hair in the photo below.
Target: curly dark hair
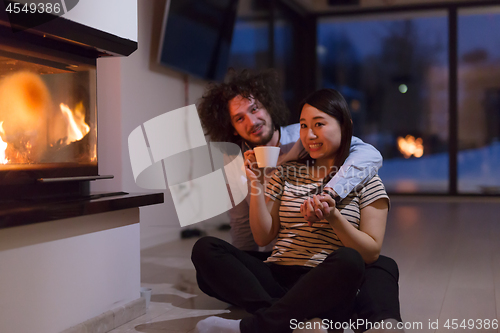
{"x": 214, "y": 110}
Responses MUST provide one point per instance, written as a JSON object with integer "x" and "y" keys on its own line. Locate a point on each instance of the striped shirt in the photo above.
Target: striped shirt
{"x": 299, "y": 244}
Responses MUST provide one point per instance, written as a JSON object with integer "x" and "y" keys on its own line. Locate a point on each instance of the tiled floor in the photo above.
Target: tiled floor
{"x": 448, "y": 251}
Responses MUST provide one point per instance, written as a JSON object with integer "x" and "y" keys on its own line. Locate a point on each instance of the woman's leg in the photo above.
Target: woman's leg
{"x": 262, "y": 256}
{"x": 378, "y": 298}
{"x": 327, "y": 291}
{"x": 233, "y": 276}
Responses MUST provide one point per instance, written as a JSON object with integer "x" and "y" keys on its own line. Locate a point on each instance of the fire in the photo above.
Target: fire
{"x": 34, "y": 129}
{"x": 25, "y": 104}
{"x": 20, "y": 148}
{"x": 77, "y": 128}
{"x": 3, "y": 146}
{"x": 410, "y": 146}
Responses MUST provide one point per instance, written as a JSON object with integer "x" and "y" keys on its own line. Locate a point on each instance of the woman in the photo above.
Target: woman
{"x": 315, "y": 269}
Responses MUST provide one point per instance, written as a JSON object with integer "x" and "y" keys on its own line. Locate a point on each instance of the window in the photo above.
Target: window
{"x": 393, "y": 72}
{"x": 479, "y": 100}
{"x": 267, "y": 35}
{"x": 250, "y": 45}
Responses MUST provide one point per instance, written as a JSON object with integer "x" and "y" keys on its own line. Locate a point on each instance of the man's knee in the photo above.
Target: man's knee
{"x": 203, "y": 247}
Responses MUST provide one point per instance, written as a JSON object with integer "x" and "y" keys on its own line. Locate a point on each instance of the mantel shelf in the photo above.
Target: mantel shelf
{"x": 24, "y": 212}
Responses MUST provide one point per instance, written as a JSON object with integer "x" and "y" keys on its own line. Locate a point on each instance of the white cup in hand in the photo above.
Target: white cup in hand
{"x": 267, "y": 156}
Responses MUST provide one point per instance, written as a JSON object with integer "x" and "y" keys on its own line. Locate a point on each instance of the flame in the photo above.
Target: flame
{"x": 410, "y": 146}
{"x": 77, "y": 128}
{"x": 36, "y": 131}
{"x": 3, "y": 146}
{"x": 25, "y": 103}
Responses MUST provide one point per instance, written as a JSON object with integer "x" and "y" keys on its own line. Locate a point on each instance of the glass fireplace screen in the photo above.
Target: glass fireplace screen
{"x": 47, "y": 113}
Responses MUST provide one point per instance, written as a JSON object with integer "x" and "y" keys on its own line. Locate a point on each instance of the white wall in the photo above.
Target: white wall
{"x": 109, "y": 122}
{"x": 117, "y": 17}
{"x": 55, "y": 275}
{"x": 132, "y": 90}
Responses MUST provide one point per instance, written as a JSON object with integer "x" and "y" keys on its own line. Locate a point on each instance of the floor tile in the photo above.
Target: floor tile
{"x": 154, "y": 310}
{"x": 467, "y": 303}
{"x": 177, "y": 320}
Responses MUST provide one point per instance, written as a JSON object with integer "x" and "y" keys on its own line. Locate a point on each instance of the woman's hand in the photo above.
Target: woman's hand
{"x": 318, "y": 215}
{"x": 317, "y": 208}
{"x": 309, "y": 212}
{"x": 327, "y": 203}
{"x": 250, "y": 165}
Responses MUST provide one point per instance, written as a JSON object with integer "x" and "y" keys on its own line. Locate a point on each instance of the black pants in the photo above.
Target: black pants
{"x": 378, "y": 298}
{"x": 276, "y": 294}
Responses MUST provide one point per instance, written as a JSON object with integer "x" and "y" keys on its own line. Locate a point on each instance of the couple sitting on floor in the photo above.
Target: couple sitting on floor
{"x": 323, "y": 209}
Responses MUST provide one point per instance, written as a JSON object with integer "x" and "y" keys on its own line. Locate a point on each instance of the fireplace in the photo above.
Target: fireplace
{"x": 48, "y": 116}
{"x": 62, "y": 245}
{"x": 48, "y": 122}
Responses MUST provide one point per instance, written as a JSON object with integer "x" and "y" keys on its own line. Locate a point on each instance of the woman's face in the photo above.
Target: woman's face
{"x": 320, "y": 133}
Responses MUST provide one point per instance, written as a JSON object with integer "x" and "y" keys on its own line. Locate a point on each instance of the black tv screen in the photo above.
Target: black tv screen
{"x": 196, "y": 37}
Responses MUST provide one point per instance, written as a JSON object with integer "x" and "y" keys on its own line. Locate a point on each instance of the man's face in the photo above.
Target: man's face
{"x": 251, "y": 120}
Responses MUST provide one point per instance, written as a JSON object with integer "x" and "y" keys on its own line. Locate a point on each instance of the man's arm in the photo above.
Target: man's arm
{"x": 361, "y": 165}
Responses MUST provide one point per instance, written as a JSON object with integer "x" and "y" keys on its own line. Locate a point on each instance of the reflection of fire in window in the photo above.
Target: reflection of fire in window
{"x": 410, "y": 146}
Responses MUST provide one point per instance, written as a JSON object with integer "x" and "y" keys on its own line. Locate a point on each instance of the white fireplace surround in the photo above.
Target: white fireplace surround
{"x": 59, "y": 274}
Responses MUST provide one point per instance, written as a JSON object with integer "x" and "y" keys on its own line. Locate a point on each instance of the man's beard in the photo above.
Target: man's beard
{"x": 264, "y": 139}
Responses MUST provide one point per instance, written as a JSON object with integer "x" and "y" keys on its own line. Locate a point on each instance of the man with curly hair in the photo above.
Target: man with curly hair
{"x": 247, "y": 110}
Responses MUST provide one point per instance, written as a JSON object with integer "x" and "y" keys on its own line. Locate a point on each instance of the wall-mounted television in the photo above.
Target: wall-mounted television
{"x": 196, "y": 36}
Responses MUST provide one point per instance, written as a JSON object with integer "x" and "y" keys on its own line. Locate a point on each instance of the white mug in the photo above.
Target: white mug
{"x": 267, "y": 156}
